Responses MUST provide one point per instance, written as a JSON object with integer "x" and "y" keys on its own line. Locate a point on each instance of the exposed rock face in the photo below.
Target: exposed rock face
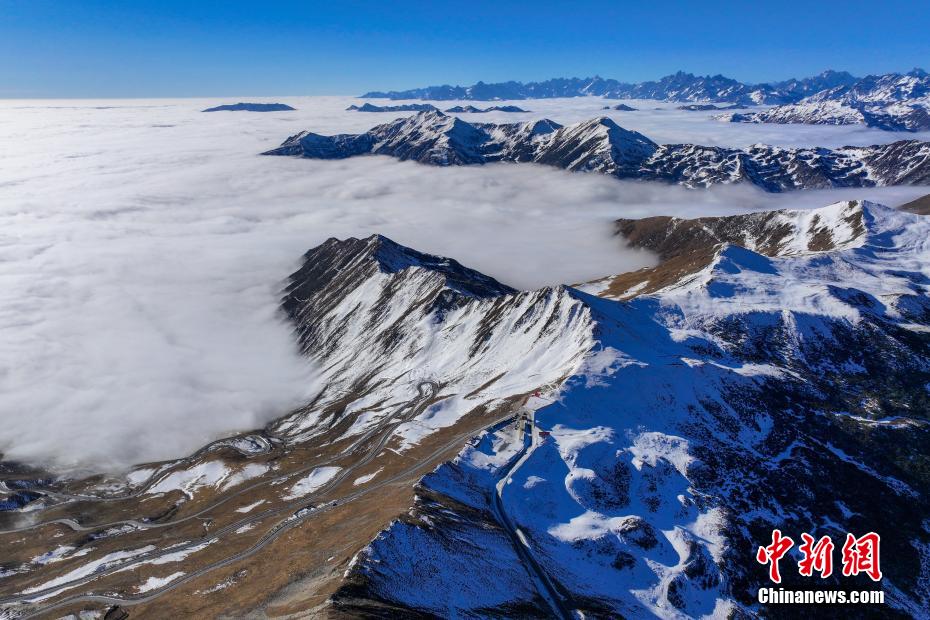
{"x": 600, "y": 145}
{"x": 372, "y": 311}
{"x": 805, "y": 87}
{"x": 818, "y": 113}
{"x": 899, "y": 117}
{"x": 335, "y": 267}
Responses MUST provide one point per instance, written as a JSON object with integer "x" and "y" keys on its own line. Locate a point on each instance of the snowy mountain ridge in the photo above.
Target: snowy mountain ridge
{"x": 894, "y": 117}
{"x": 373, "y": 312}
{"x": 600, "y": 145}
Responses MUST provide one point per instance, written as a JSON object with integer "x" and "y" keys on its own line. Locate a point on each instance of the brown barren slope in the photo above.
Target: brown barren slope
{"x": 920, "y": 206}
{"x": 685, "y": 246}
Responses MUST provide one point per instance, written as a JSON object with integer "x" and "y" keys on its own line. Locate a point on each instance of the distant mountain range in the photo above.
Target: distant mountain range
{"x": 705, "y": 107}
{"x": 681, "y": 86}
{"x": 893, "y": 101}
{"x": 600, "y": 145}
{"x": 426, "y": 107}
{"x": 407, "y": 107}
{"x": 470, "y": 109}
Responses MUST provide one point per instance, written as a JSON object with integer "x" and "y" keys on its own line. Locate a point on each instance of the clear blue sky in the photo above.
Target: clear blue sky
{"x": 130, "y": 48}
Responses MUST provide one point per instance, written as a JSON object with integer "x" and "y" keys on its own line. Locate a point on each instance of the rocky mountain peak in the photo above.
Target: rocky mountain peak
{"x": 541, "y": 126}
{"x": 344, "y": 264}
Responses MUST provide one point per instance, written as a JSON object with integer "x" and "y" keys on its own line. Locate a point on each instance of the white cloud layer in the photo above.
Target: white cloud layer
{"x": 143, "y": 245}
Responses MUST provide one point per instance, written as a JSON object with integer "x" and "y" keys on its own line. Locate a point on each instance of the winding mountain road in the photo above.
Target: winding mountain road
{"x": 544, "y": 584}
{"x": 425, "y": 391}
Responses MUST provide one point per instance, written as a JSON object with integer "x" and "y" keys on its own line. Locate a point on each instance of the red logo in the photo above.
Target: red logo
{"x": 773, "y": 553}
{"x": 860, "y": 555}
{"x": 817, "y": 557}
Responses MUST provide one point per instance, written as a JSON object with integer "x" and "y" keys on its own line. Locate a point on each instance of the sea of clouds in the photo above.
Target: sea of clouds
{"x": 143, "y": 246}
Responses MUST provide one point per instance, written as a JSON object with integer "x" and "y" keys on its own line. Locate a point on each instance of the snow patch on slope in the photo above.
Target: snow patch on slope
{"x": 312, "y": 481}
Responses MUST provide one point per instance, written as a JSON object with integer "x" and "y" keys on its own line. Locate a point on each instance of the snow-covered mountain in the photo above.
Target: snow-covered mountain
{"x": 894, "y": 117}
{"x": 892, "y": 102}
{"x": 683, "y": 86}
{"x": 704, "y": 107}
{"x": 805, "y": 87}
{"x": 782, "y": 387}
{"x": 373, "y": 311}
{"x": 881, "y": 90}
{"x": 642, "y": 436}
{"x": 600, "y": 145}
{"x": 813, "y": 113}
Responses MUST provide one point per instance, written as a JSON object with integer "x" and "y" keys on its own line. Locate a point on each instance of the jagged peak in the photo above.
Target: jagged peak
{"x": 543, "y": 125}
{"x": 599, "y": 121}
{"x": 828, "y": 73}
{"x": 426, "y": 117}
{"x": 610, "y": 129}
{"x": 339, "y": 255}
{"x": 431, "y": 114}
